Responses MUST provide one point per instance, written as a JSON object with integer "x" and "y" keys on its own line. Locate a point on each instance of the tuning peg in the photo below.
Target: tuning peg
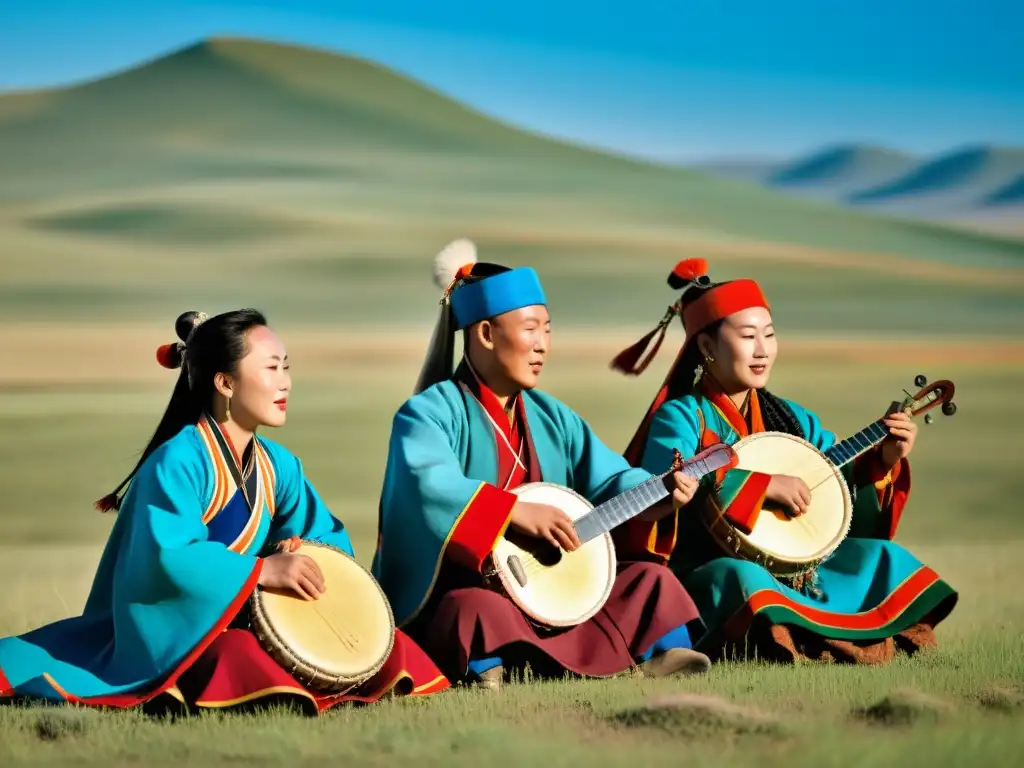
{"x": 928, "y": 418}
{"x": 949, "y": 408}
{"x": 920, "y": 380}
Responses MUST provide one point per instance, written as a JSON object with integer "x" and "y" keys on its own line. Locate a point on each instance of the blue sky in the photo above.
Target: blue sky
{"x": 663, "y": 79}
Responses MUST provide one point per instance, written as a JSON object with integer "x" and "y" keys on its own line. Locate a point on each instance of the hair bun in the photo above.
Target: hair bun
{"x": 170, "y": 355}
{"x": 186, "y": 322}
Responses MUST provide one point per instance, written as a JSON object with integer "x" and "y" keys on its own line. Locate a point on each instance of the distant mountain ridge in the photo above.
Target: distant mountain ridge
{"x": 962, "y": 181}
{"x": 844, "y": 167}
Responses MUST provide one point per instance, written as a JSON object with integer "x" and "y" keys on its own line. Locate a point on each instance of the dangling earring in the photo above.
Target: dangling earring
{"x": 709, "y": 359}
{"x": 227, "y": 408}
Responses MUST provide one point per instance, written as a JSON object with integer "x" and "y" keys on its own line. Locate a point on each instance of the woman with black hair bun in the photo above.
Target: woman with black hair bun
{"x": 210, "y": 512}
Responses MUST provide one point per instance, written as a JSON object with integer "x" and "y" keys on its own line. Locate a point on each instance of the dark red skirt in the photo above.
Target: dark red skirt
{"x": 235, "y": 672}
{"x": 646, "y": 602}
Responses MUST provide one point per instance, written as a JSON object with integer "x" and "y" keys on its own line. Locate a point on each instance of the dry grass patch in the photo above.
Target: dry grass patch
{"x": 699, "y": 716}
{"x": 1001, "y": 699}
{"x": 904, "y": 707}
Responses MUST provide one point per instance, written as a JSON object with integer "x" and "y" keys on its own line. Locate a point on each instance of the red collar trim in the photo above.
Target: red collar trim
{"x": 721, "y": 401}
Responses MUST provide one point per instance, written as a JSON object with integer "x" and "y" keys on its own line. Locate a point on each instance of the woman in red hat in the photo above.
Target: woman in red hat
{"x": 872, "y": 597}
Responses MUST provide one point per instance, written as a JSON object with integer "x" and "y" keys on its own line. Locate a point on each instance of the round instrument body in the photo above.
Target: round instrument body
{"x": 788, "y": 546}
{"x": 576, "y": 585}
{"x": 335, "y": 642}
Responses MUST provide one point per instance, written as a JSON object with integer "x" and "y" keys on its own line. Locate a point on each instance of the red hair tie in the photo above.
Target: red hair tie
{"x": 169, "y": 355}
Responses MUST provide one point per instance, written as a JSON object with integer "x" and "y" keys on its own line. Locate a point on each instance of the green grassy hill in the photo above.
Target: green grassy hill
{"x": 237, "y": 171}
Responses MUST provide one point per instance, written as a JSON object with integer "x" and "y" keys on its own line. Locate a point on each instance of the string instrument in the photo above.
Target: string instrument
{"x": 336, "y": 642}
{"x": 788, "y": 545}
{"x": 555, "y": 588}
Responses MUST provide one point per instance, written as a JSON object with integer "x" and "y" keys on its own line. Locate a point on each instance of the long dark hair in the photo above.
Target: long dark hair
{"x": 777, "y": 416}
{"x": 206, "y": 347}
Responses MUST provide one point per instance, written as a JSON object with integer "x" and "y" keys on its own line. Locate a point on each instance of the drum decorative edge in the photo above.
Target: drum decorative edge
{"x": 610, "y": 549}
{"x": 266, "y": 633}
{"x": 735, "y": 544}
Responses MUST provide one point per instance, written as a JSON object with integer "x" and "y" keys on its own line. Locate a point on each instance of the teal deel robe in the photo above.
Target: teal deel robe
{"x": 439, "y": 496}
{"x": 181, "y": 560}
{"x": 871, "y": 588}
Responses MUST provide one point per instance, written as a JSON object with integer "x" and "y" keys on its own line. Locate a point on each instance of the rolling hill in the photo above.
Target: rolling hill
{"x": 835, "y": 172}
{"x": 966, "y": 184}
{"x": 959, "y": 180}
{"x": 244, "y": 171}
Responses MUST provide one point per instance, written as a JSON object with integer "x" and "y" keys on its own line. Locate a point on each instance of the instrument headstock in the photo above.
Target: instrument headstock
{"x": 938, "y": 393}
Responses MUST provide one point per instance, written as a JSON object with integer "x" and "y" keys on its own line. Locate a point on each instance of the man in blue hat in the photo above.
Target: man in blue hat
{"x": 458, "y": 447}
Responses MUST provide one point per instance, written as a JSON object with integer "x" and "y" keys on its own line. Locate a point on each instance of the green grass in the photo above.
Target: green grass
{"x": 185, "y": 225}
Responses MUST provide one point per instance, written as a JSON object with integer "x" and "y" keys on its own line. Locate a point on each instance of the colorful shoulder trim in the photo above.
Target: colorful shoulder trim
{"x": 229, "y": 516}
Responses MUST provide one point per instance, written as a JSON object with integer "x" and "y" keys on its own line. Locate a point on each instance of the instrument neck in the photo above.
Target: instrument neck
{"x": 849, "y": 449}
{"x": 629, "y": 504}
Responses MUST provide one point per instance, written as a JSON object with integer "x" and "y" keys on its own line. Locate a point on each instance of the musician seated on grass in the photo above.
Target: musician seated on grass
{"x": 457, "y": 447}
{"x": 872, "y": 597}
{"x": 209, "y": 512}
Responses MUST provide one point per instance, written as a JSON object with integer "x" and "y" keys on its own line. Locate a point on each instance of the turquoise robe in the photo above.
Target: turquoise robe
{"x": 870, "y": 589}
{"x": 439, "y": 496}
{"x": 181, "y": 560}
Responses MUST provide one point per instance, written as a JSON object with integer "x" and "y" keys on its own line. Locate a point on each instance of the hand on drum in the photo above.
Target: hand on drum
{"x": 298, "y": 573}
{"x": 789, "y": 492}
{"x": 545, "y": 522}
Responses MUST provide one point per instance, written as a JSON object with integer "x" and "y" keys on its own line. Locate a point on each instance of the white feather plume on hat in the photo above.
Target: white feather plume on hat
{"x": 451, "y": 258}
{"x": 437, "y": 366}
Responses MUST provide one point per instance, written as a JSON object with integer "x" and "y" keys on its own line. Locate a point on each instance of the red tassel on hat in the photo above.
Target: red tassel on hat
{"x": 628, "y": 360}
{"x": 686, "y": 271}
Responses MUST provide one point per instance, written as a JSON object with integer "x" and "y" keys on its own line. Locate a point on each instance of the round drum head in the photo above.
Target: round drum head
{"x": 581, "y": 581}
{"x": 344, "y": 635}
{"x": 821, "y": 529}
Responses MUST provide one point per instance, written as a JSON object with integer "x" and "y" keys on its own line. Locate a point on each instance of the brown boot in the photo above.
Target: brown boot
{"x": 490, "y": 679}
{"x": 676, "y": 661}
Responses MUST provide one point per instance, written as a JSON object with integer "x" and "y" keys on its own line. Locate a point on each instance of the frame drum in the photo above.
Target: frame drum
{"x": 784, "y": 545}
{"x": 336, "y": 642}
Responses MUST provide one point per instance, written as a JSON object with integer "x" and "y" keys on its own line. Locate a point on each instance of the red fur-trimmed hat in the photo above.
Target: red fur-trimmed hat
{"x": 700, "y": 305}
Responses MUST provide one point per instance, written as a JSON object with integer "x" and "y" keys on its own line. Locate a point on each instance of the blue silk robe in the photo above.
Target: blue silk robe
{"x": 180, "y": 562}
